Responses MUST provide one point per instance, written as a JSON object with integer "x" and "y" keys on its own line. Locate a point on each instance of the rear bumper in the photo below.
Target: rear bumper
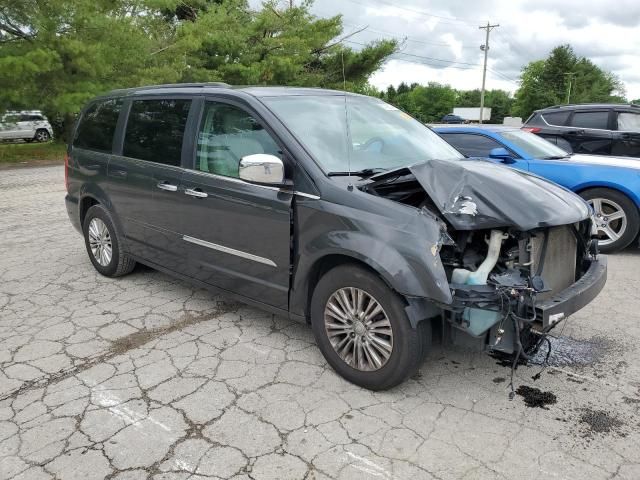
{"x": 73, "y": 212}
{"x": 554, "y": 309}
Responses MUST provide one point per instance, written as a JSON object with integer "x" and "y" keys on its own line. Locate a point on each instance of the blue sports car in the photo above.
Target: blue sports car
{"x": 610, "y": 184}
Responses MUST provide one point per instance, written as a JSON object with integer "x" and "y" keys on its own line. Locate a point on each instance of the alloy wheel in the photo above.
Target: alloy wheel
{"x": 611, "y": 221}
{"x": 42, "y": 136}
{"x": 100, "y": 242}
{"x": 358, "y": 329}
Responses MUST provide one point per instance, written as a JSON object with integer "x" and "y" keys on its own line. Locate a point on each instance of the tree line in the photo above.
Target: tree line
{"x": 57, "y": 54}
{"x": 543, "y": 83}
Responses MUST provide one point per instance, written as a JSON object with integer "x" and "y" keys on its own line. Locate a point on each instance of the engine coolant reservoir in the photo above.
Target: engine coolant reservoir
{"x": 480, "y": 320}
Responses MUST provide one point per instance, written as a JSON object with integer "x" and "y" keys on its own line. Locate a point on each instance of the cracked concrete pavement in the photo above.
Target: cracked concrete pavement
{"x": 147, "y": 377}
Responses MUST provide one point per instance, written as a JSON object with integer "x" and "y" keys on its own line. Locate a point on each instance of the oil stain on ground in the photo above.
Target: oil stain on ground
{"x": 599, "y": 421}
{"x": 534, "y": 397}
{"x": 570, "y": 351}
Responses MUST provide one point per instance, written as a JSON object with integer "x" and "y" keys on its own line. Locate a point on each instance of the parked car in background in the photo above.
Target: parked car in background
{"x": 330, "y": 208}
{"x": 610, "y": 184}
{"x": 26, "y": 125}
{"x": 599, "y": 129}
{"x": 451, "y": 118}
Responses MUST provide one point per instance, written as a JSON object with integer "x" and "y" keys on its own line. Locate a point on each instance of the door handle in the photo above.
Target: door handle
{"x": 119, "y": 173}
{"x": 196, "y": 193}
{"x": 167, "y": 186}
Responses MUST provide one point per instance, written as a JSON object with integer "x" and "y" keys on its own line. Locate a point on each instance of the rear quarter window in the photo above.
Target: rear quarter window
{"x": 155, "y": 130}
{"x": 97, "y": 126}
{"x": 535, "y": 119}
{"x": 556, "y": 118}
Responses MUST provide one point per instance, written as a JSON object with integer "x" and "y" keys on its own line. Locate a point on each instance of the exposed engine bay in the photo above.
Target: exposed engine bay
{"x": 503, "y": 256}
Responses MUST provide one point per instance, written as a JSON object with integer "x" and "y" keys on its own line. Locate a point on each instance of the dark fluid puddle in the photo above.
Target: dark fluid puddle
{"x": 568, "y": 351}
{"x": 536, "y": 398}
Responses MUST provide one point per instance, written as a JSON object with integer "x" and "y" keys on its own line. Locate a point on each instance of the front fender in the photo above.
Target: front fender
{"x": 405, "y": 255}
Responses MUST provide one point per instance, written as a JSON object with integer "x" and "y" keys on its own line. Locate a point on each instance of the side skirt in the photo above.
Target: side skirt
{"x": 240, "y": 298}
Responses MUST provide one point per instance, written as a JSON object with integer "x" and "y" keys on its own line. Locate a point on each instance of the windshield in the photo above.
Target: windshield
{"x": 533, "y": 145}
{"x": 379, "y": 136}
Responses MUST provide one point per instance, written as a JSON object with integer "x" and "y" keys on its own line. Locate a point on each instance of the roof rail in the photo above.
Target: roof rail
{"x": 589, "y": 104}
{"x": 187, "y": 85}
{"x": 169, "y": 85}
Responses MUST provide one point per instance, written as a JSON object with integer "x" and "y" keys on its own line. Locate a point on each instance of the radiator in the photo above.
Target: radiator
{"x": 559, "y": 268}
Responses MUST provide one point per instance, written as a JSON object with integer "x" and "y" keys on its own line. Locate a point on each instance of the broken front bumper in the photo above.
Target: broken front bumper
{"x": 552, "y": 310}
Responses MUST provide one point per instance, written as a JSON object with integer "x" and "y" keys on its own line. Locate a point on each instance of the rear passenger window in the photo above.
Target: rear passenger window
{"x": 227, "y": 134}
{"x": 591, "y": 119}
{"x": 97, "y": 126}
{"x": 471, "y": 145}
{"x": 556, "y": 118}
{"x": 155, "y": 130}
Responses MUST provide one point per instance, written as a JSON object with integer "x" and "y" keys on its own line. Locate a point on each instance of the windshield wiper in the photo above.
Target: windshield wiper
{"x": 366, "y": 172}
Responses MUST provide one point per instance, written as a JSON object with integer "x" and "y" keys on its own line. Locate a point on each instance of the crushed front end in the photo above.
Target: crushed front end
{"x": 517, "y": 250}
{"x": 508, "y": 286}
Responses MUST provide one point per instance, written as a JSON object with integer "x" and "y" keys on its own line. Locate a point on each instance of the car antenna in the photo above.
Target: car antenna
{"x": 346, "y": 120}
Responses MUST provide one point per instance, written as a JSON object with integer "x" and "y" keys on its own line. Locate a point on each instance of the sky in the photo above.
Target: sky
{"x": 441, "y": 39}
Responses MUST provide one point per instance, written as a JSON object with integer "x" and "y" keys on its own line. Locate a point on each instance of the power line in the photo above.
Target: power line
{"x": 405, "y": 37}
{"x": 437, "y": 59}
{"x": 420, "y": 56}
{"x": 416, "y": 62}
{"x": 419, "y": 12}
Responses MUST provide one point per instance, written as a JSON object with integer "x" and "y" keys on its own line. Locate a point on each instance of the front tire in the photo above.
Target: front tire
{"x": 103, "y": 244}
{"x": 362, "y": 329}
{"x": 617, "y": 218}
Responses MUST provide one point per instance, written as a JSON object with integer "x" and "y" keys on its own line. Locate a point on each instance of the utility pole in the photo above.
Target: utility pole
{"x": 570, "y": 75}
{"x": 485, "y": 48}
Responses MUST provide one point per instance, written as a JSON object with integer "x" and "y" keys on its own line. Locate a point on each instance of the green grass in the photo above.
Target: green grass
{"x": 31, "y": 152}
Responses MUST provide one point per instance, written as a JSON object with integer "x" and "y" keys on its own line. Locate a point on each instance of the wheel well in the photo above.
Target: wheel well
{"x": 323, "y": 265}
{"x": 85, "y": 204}
{"x": 607, "y": 187}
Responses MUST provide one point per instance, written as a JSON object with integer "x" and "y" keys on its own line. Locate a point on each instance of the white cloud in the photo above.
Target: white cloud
{"x": 607, "y": 33}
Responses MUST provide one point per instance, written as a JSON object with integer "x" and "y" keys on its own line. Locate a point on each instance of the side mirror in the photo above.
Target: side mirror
{"x": 501, "y": 154}
{"x": 261, "y": 168}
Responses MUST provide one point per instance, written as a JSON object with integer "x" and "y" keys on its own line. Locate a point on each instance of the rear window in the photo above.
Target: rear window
{"x": 97, "y": 126}
{"x": 599, "y": 119}
{"x": 556, "y": 118}
{"x": 155, "y": 129}
{"x": 629, "y": 121}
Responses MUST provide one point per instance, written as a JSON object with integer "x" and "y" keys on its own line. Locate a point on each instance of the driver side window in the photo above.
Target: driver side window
{"x": 228, "y": 133}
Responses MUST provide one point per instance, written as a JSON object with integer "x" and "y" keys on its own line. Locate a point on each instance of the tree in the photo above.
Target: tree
{"x": 56, "y": 54}
{"x": 428, "y": 103}
{"x": 546, "y": 82}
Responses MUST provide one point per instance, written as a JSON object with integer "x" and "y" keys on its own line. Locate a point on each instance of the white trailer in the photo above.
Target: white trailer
{"x": 472, "y": 114}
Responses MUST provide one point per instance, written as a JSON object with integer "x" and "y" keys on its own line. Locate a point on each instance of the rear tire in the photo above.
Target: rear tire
{"x": 42, "y": 136}
{"x": 360, "y": 332}
{"x": 606, "y": 202}
{"x": 103, "y": 244}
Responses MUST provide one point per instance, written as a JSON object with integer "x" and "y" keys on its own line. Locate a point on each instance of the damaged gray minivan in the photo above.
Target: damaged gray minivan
{"x": 334, "y": 209}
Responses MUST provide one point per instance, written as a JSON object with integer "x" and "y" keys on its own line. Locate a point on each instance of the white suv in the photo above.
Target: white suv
{"x": 26, "y": 125}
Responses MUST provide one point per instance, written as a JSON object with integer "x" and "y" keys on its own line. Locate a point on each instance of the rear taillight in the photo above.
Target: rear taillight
{"x": 531, "y": 129}
{"x": 66, "y": 171}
